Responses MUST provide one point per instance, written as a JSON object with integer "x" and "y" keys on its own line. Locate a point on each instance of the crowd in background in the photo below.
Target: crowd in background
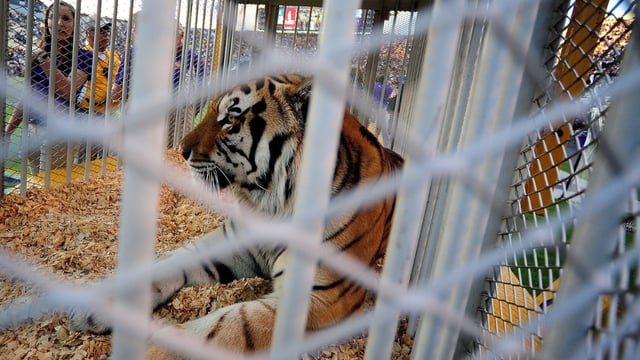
{"x": 15, "y": 61}
{"x": 91, "y": 89}
{"x": 391, "y": 62}
{"x": 607, "y": 55}
{"x": 17, "y": 35}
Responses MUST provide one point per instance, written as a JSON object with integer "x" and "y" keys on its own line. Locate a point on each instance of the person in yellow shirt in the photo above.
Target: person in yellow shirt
{"x": 103, "y": 55}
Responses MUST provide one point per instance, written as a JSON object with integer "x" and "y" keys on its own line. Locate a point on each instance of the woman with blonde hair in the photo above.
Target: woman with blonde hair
{"x": 41, "y": 65}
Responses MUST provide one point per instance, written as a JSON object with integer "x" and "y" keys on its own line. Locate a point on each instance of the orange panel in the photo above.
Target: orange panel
{"x": 574, "y": 65}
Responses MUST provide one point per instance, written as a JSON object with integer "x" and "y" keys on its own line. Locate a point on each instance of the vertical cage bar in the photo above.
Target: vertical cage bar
{"x": 73, "y": 74}
{"x": 402, "y": 91}
{"x": 324, "y": 123}
{"x": 219, "y": 61}
{"x": 91, "y": 116}
{"x": 4, "y": 39}
{"x": 210, "y": 45}
{"x": 46, "y": 148}
{"x": 226, "y": 30}
{"x": 140, "y": 199}
{"x": 110, "y": 80}
{"x": 178, "y": 115}
{"x": 437, "y": 68}
{"x": 503, "y": 283}
{"x": 593, "y": 245}
{"x": 127, "y": 54}
{"x": 468, "y": 48}
{"x": 24, "y": 142}
{"x": 494, "y": 97}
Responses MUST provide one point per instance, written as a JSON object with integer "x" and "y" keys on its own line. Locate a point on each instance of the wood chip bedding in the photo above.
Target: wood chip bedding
{"x": 72, "y": 232}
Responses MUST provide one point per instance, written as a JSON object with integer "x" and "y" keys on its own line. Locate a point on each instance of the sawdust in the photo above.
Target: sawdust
{"x": 72, "y": 232}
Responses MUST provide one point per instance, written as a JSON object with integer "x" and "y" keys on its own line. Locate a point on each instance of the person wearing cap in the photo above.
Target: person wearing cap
{"x": 102, "y": 68}
{"x": 102, "y": 56}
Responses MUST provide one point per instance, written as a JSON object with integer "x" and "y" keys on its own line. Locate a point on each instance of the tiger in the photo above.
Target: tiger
{"x": 250, "y": 142}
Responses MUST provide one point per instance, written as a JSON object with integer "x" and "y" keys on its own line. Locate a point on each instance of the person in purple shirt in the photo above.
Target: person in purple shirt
{"x": 378, "y": 93}
{"x": 62, "y": 84}
{"x": 188, "y": 71}
{"x": 121, "y": 84}
{"x": 382, "y": 92}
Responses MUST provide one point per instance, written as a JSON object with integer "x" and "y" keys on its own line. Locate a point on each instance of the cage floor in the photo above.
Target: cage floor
{"x": 72, "y": 231}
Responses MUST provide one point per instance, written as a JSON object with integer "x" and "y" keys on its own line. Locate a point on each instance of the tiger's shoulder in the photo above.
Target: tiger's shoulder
{"x": 366, "y": 149}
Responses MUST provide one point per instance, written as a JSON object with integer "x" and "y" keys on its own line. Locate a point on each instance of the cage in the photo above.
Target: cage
{"x": 514, "y": 233}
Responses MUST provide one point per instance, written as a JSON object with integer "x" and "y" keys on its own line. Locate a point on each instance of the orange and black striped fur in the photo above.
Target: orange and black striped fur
{"x": 251, "y": 141}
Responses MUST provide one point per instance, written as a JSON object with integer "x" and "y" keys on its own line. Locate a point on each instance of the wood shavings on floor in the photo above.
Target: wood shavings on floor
{"x": 72, "y": 232}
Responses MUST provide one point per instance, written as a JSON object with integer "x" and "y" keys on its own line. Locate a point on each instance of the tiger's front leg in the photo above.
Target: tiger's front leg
{"x": 241, "y": 265}
{"x": 248, "y": 326}
{"x": 241, "y": 327}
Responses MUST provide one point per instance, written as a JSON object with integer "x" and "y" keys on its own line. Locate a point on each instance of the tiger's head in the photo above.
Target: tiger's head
{"x": 251, "y": 137}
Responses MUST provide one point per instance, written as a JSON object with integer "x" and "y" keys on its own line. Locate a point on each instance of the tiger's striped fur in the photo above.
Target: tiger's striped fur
{"x": 251, "y": 138}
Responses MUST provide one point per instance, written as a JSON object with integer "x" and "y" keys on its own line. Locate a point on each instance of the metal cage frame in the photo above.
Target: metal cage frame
{"x": 515, "y": 232}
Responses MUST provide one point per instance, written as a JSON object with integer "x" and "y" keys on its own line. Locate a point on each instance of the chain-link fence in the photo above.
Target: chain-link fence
{"x": 582, "y": 56}
{"x": 515, "y": 230}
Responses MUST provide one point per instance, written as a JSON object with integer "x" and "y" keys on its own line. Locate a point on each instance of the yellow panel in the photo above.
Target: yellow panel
{"x": 511, "y": 308}
{"x": 59, "y": 176}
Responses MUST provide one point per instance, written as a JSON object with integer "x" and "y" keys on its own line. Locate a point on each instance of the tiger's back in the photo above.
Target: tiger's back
{"x": 252, "y": 138}
{"x": 363, "y": 233}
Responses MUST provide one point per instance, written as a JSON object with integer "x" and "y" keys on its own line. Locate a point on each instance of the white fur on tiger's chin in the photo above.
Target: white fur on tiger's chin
{"x": 225, "y": 198}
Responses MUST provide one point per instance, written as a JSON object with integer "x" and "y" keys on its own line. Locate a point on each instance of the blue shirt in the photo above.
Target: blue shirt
{"x": 121, "y": 74}
{"x": 40, "y": 85}
{"x": 193, "y": 66}
{"x": 377, "y": 92}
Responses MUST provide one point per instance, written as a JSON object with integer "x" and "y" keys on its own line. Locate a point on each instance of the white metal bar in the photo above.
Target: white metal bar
{"x": 140, "y": 199}
{"x": 403, "y": 88}
{"x": 468, "y": 47}
{"x": 324, "y": 124}
{"x": 524, "y": 53}
{"x": 127, "y": 53}
{"x": 593, "y": 244}
{"x": 110, "y": 79}
{"x": 493, "y": 102}
{"x": 4, "y": 147}
{"x": 26, "y": 141}
{"x": 91, "y": 116}
{"x": 437, "y": 68}
{"x": 46, "y": 149}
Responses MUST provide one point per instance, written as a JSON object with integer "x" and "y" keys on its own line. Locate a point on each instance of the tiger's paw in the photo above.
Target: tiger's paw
{"x": 86, "y": 322}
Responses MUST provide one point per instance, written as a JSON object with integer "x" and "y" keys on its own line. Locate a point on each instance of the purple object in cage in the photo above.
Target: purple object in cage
{"x": 581, "y": 138}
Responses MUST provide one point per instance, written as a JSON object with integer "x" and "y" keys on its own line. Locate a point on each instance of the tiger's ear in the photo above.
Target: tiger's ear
{"x": 299, "y": 99}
